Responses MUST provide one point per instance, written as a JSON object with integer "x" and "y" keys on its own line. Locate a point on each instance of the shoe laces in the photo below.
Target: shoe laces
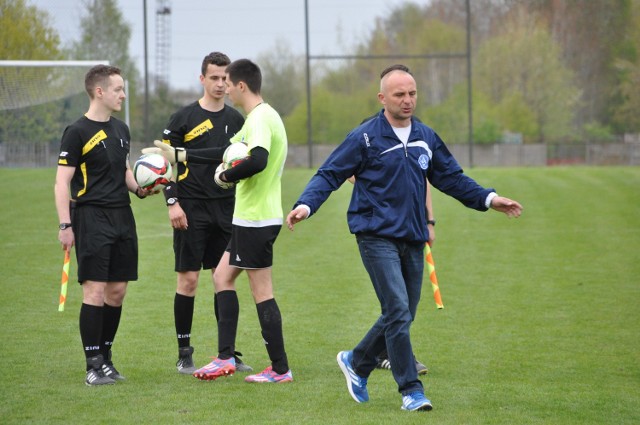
{"x": 98, "y": 372}
{"x": 271, "y": 374}
{"x": 362, "y": 382}
{"x": 218, "y": 363}
{"x": 413, "y": 397}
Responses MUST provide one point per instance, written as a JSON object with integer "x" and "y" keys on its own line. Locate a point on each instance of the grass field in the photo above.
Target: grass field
{"x": 541, "y": 322}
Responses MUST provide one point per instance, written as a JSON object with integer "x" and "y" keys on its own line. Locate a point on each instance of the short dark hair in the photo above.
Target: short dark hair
{"x": 246, "y": 71}
{"x": 214, "y": 58}
{"x": 98, "y": 74}
{"x": 396, "y": 67}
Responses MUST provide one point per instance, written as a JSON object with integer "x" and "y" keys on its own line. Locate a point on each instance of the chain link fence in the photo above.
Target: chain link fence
{"x": 14, "y": 154}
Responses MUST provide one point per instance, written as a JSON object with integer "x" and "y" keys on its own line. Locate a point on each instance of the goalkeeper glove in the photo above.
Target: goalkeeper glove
{"x": 172, "y": 154}
{"x": 223, "y": 184}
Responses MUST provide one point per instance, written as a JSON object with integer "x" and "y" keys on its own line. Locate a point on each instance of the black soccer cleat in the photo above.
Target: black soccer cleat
{"x": 185, "y": 361}
{"x": 95, "y": 375}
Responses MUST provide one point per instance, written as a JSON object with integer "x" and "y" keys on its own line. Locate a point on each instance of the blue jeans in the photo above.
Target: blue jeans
{"x": 396, "y": 270}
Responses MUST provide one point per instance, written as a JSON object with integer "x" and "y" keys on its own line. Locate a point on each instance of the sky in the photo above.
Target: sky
{"x": 239, "y": 28}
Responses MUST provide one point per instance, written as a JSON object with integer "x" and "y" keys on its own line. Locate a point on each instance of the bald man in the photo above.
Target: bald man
{"x": 392, "y": 156}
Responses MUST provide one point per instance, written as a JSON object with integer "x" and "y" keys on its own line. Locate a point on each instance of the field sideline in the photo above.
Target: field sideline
{"x": 540, "y": 326}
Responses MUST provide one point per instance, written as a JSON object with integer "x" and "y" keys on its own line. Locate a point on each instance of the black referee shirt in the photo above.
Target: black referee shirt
{"x": 99, "y": 151}
{"x": 193, "y": 127}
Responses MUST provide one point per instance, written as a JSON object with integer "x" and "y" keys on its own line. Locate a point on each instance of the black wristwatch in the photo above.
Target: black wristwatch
{"x": 432, "y": 222}
{"x": 64, "y": 226}
{"x": 172, "y": 201}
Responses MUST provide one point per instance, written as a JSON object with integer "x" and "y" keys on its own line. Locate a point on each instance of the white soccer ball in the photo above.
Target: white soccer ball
{"x": 152, "y": 171}
{"x": 234, "y": 154}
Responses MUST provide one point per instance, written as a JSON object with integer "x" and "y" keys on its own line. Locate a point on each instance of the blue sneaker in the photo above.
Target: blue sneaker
{"x": 416, "y": 401}
{"x": 356, "y": 385}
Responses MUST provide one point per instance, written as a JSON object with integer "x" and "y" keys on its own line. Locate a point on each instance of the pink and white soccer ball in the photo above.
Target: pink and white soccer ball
{"x": 152, "y": 171}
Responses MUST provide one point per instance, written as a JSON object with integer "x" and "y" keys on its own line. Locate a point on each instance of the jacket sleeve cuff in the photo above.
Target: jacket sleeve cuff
{"x": 306, "y": 207}
{"x": 487, "y": 202}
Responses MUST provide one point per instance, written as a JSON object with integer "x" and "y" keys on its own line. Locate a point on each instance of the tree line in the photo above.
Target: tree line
{"x": 555, "y": 71}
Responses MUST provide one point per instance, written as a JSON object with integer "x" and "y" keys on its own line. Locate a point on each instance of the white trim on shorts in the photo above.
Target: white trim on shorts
{"x": 258, "y": 223}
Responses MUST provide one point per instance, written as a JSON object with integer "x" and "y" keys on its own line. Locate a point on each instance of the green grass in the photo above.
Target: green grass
{"x": 540, "y": 325}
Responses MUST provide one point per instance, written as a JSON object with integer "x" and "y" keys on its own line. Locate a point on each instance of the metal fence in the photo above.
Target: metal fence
{"x": 13, "y": 154}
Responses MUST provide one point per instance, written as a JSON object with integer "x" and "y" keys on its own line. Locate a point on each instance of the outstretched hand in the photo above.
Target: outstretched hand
{"x": 170, "y": 153}
{"x": 296, "y": 216}
{"x": 508, "y": 206}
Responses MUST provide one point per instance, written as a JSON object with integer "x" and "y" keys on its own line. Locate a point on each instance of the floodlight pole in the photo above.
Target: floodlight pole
{"x": 308, "y": 71}
{"x": 127, "y": 116}
{"x": 146, "y": 74}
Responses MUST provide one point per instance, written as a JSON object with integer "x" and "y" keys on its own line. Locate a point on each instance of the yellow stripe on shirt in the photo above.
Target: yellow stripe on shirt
{"x": 83, "y": 168}
{"x": 198, "y": 130}
{"x": 97, "y": 138}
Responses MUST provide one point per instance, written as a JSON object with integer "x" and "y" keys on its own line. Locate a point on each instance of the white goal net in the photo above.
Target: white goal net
{"x": 38, "y": 99}
{"x": 29, "y": 83}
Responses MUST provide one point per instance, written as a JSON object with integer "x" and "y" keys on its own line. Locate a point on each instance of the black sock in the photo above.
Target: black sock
{"x": 91, "y": 329}
{"x": 228, "y": 309}
{"x": 271, "y": 325}
{"x": 215, "y": 307}
{"x": 383, "y": 355}
{"x": 110, "y": 322}
{"x": 183, "y": 314}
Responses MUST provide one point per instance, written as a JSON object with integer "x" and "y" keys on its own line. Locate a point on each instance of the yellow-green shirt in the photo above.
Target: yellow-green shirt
{"x": 258, "y": 198}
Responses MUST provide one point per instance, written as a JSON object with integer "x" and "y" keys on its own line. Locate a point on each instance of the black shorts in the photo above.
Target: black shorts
{"x": 201, "y": 246}
{"x": 252, "y": 247}
{"x": 106, "y": 244}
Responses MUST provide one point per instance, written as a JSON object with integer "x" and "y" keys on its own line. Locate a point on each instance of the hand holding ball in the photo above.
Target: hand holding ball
{"x": 152, "y": 172}
{"x": 235, "y": 154}
{"x": 232, "y": 156}
{"x": 220, "y": 182}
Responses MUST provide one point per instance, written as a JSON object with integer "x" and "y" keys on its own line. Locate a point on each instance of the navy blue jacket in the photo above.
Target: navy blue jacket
{"x": 389, "y": 194}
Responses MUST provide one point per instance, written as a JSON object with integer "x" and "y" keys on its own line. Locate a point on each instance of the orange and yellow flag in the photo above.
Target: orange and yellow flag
{"x": 431, "y": 270}
{"x": 65, "y": 280}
